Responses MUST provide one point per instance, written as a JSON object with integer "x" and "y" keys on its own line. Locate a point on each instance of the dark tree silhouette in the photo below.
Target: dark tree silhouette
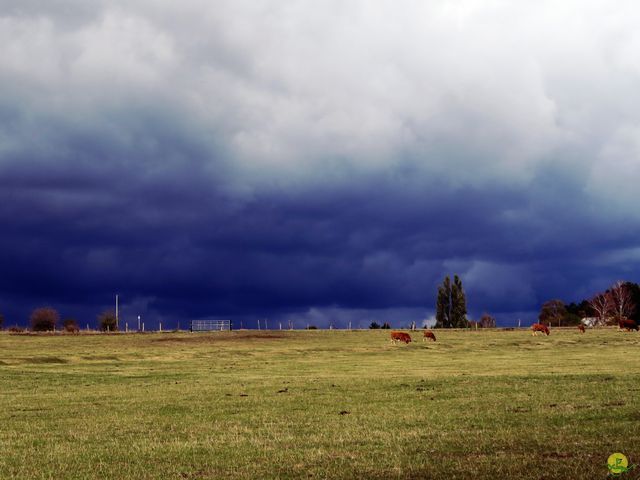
{"x": 451, "y": 304}
{"x": 44, "y": 319}
{"x": 552, "y": 312}
{"x": 487, "y": 321}
{"x": 107, "y": 321}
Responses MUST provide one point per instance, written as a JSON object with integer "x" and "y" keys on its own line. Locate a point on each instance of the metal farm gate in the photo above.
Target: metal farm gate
{"x": 210, "y": 325}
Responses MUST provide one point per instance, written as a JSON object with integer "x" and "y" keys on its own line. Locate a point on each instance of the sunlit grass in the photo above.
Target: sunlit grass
{"x": 318, "y": 404}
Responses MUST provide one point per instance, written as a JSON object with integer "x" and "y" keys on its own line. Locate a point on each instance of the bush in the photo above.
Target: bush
{"x": 386, "y": 326}
{"x": 16, "y": 329}
{"x": 107, "y": 321}
{"x": 312, "y": 327}
{"x": 1, "y": 320}
{"x": 571, "y": 320}
{"x": 487, "y": 321}
{"x": 70, "y": 325}
{"x": 44, "y": 319}
{"x": 374, "y": 325}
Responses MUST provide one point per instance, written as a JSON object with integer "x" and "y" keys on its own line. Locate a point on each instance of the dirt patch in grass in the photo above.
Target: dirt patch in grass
{"x": 200, "y": 338}
{"x": 39, "y": 360}
{"x": 100, "y": 357}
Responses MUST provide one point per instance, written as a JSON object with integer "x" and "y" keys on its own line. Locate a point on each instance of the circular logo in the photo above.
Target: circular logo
{"x": 617, "y": 463}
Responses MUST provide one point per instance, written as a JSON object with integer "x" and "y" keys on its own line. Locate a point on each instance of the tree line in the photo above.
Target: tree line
{"x": 621, "y": 301}
{"x": 47, "y": 319}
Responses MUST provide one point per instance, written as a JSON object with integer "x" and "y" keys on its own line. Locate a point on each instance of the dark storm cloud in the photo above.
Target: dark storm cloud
{"x": 325, "y": 163}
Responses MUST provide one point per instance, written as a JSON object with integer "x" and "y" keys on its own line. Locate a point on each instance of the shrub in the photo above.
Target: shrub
{"x": 1, "y": 320}
{"x": 312, "y": 327}
{"x": 16, "y": 329}
{"x": 70, "y": 325}
{"x": 386, "y": 325}
{"x": 107, "y": 321}
{"x": 374, "y": 325}
{"x": 487, "y": 321}
{"x": 44, "y": 319}
{"x": 571, "y": 319}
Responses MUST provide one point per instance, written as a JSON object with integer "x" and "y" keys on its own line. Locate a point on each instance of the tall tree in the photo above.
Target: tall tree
{"x": 443, "y": 304}
{"x": 458, "y": 304}
{"x": 602, "y": 304}
{"x": 622, "y": 301}
{"x": 451, "y": 304}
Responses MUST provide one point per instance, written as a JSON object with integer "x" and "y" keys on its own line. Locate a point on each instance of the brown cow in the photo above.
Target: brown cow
{"x": 581, "y": 328}
{"x": 400, "y": 337}
{"x": 428, "y": 334}
{"x": 539, "y": 327}
{"x": 628, "y": 325}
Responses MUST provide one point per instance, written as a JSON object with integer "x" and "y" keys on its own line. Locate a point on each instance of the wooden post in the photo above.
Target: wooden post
{"x": 126, "y": 327}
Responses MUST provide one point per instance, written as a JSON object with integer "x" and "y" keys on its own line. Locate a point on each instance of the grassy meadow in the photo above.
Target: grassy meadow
{"x": 318, "y": 404}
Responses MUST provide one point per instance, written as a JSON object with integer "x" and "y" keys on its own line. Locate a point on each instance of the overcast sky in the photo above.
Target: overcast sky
{"x": 315, "y": 160}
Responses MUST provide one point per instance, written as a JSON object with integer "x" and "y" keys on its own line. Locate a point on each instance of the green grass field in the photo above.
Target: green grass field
{"x": 318, "y": 404}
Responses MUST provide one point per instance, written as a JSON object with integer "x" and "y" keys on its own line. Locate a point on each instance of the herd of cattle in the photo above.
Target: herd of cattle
{"x": 536, "y": 328}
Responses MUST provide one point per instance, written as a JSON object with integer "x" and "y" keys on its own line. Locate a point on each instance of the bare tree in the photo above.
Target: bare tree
{"x": 602, "y": 304}
{"x": 44, "y": 319}
{"x": 487, "y": 321}
{"x": 622, "y": 300}
{"x": 107, "y": 321}
{"x": 552, "y": 311}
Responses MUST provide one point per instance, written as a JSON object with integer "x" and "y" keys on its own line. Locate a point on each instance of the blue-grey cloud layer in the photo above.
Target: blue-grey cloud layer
{"x": 315, "y": 162}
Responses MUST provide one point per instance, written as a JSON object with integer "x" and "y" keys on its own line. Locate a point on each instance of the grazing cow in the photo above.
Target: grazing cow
{"x": 581, "y": 328}
{"x": 539, "y": 327}
{"x": 428, "y": 334}
{"x": 400, "y": 337}
{"x": 628, "y": 325}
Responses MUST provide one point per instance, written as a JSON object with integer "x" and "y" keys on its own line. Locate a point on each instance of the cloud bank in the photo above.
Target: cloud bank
{"x": 315, "y": 160}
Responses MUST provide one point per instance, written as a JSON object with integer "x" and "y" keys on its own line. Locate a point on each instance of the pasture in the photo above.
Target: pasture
{"x": 318, "y": 404}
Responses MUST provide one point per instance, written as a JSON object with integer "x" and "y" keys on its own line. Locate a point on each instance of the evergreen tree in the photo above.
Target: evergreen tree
{"x": 458, "y": 304}
{"x": 451, "y": 304}
{"x": 443, "y": 305}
